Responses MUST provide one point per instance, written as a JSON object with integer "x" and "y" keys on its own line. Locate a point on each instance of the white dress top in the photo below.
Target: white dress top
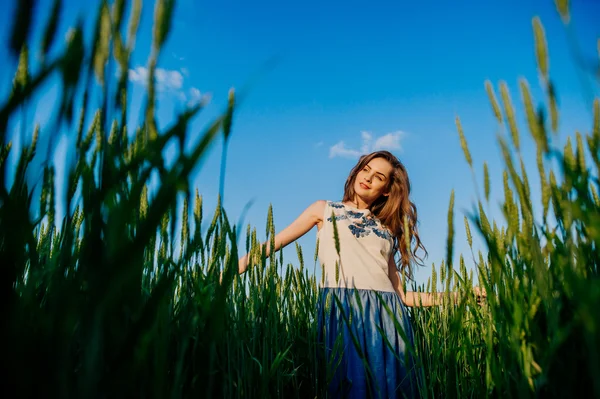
{"x": 365, "y": 248}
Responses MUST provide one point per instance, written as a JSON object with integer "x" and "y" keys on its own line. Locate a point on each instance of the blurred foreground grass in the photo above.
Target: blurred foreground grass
{"x": 111, "y": 302}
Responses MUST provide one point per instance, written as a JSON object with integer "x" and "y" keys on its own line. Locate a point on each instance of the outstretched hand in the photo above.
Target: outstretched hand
{"x": 242, "y": 267}
{"x": 480, "y": 294}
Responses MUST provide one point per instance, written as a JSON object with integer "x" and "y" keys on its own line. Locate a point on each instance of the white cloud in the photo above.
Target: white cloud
{"x": 138, "y": 75}
{"x": 366, "y": 138}
{"x": 166, "y": 80}
{"x": 340, "y": 150}
{"x": 390, "y": 141}
{"x": 169, "y": 81}
{"x": 196, "y": 96}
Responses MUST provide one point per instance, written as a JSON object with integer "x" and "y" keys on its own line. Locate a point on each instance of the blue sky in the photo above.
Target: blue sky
{"x": 348, "y": 77}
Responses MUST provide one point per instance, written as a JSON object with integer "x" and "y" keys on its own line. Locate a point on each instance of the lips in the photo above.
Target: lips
{"x": 363, "y": 185}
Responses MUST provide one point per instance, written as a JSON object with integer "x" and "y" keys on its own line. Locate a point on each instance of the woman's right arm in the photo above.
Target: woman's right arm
{"x": 312, "y": 216}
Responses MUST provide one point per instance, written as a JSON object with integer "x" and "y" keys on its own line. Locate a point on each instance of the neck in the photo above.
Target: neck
{"x": 360, "y": 203}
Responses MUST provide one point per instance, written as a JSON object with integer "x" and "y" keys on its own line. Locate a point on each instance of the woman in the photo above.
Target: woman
{"x": 362, "y": 310}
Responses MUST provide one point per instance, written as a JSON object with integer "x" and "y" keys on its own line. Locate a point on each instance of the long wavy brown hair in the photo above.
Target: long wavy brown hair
{"x": 392, "y": 209}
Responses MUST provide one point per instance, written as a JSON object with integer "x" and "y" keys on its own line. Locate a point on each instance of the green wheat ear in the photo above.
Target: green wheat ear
{"x": 336, "y": 237}
{"x": 406, "y": 233}
{"x": 510, "y": 115}
{"x": 162, "y": 22}
{"x": 532, "y": 120}
{"x": 463, "y": 143}
{"x": 114, "y": 136}
{"x": 134, "y": 21}
{"x": 468, "y": 231}
{"x": 546, "y": 192}
{"x": 595, "y": 195}
{"x": 541, "y": 51}
{"x": 481, "y": 260}
{"x": 553, "y": 106}
{"x": 569, "y": 156}
{"x": 144, "y": 202}
{"x": 198, "y": 212}
{"x": 103, "y": 43}
{"x": 184, "y": 226}
{"x": 555, "y": 190}
{"x": 526, "y": 188}
{"x": 300, "y": 257}
{"x": 580, "y": 153}
{"x": 485, "y": 224}
{"x": 562, "y": 7}
{"x": 22, "y": 75}
{"x": 269, "y": 220}
{"x": 463, "y": 268}
{"x": 271, "y": 236}
{"x": 489, "y": 88}
{"x": 32, "y": 147}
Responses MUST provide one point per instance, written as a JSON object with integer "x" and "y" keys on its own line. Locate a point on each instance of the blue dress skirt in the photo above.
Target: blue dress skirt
{"x": 368, "y": 352}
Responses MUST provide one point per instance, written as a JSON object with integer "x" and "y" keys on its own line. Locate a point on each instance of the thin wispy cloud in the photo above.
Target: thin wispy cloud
{"x": 169, "y": 81}
{"x": 166, "y": 80}
{"x": 340, "y": 150}
{"x": 178, "y": 57}
{"x": 390, "y": 141}
{"x": 195, "y": 97}
{"x": 195, "y": 94}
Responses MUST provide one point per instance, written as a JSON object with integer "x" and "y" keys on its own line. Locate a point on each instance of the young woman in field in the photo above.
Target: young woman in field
{"x": 363, "y": 274}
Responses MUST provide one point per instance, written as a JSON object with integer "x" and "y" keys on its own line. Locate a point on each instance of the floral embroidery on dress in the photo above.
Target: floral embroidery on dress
{"x": 382, "y": 233}
{"x": 337, "y": 217}
{"x": 367, "y": 222}
{"x": 355, "y": 215}
{"x": 358, "y": 231}
{"x": 359, "y": 224}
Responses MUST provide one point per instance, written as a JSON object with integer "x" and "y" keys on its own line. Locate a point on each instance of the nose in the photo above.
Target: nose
{"x": 368, "y": 177}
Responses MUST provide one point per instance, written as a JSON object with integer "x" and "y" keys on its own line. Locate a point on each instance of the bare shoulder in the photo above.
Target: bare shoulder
{"x": 317, "y": 208}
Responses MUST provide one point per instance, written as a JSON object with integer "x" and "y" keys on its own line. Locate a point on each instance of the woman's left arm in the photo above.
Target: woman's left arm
{"x": 411, "y": 298}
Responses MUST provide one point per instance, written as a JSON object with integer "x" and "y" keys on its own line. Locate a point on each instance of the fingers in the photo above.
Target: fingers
{"x": 480, "y": 294}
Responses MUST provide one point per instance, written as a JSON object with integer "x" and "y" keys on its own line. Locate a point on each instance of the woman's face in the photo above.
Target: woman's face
{"x": 373, "y": 180}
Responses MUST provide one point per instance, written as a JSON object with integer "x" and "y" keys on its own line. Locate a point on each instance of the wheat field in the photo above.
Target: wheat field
{"x": 111, "y": 302}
